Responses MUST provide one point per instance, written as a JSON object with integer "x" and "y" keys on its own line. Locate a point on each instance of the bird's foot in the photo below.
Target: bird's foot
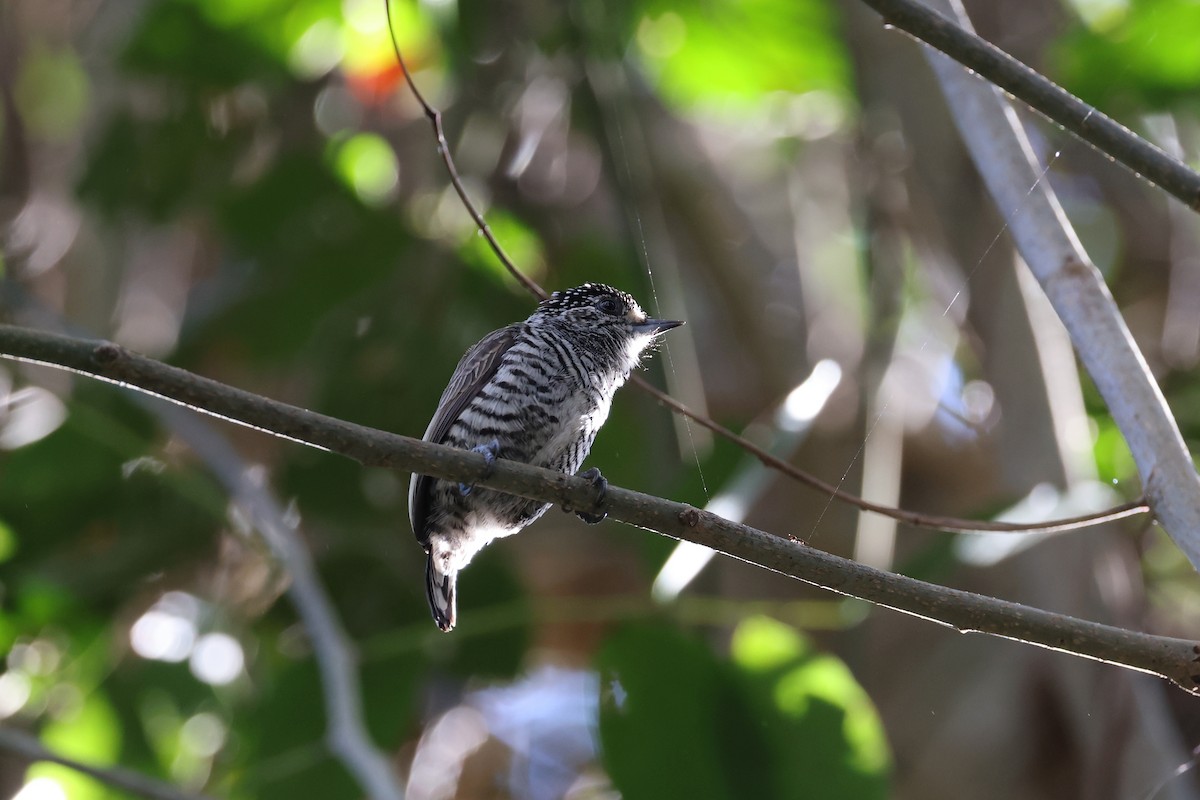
{"x": 489, "y": 451}
{"x": 600, "y": 484}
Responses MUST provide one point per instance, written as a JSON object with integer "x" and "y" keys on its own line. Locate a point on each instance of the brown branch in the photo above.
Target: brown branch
{"x": 1043, "y": 95}
{"x": 914, "y": 518}
{"x": 435, "y": 120}
{"x": 951, "y": 524}
{"x": 1178, "y": 660}
{"x": 27, "y": 746}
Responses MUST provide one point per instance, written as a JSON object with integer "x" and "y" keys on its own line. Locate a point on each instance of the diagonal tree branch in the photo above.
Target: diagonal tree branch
{"x": 346, "y": 734}
{"x": 28, "y": 746}
{"x": 1048, "y": 244}
{"x": 1043, "y": 95}
{"x": 1178, "y": 660}
{"x": 766, "y": 458}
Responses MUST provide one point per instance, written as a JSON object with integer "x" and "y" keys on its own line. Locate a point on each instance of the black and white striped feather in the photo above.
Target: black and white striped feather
{"x": 540, "y": 389}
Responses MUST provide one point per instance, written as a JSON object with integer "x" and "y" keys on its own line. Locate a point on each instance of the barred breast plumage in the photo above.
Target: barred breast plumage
{"x": 536, "y": 391}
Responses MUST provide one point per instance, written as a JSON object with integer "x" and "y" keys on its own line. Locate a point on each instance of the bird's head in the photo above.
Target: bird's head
{"x": 595, "y": 309}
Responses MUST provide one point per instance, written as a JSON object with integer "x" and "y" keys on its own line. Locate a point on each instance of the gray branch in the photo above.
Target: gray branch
{"x": 1177, "y": 660}
{"x": 345, "y": 730}
{"x": 28, "y": 746}
{"x": 346, "y": 734}
{"x": 1047, "y": 242}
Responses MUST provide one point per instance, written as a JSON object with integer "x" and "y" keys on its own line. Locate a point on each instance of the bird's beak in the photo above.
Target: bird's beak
{"x": 655, "y": 326}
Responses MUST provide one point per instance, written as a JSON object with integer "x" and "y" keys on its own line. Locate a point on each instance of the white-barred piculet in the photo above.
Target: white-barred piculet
{"x": 537, "y": 392}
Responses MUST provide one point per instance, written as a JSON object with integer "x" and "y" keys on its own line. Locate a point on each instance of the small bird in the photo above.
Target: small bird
{"x": 536, "y": 391}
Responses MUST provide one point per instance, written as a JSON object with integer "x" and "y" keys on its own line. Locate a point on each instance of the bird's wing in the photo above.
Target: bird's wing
{"x": 475, "y": 369}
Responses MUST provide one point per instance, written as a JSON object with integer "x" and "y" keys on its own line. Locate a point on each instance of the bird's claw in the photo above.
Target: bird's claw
{"x": 489, "y": 452}
{"x": 600, "y": 483}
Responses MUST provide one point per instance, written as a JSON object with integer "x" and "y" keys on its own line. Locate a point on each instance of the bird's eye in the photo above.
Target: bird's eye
{"x": 611, "y": 305}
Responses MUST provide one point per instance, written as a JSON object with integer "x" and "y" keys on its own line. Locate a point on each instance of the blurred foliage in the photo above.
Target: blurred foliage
{"x": 778, "y": 720}
{"x": 327, "y": 263}
{"x": 57, "y": 74}
{"x": 734, "y": 50}
{"x": 1133, "y": 54}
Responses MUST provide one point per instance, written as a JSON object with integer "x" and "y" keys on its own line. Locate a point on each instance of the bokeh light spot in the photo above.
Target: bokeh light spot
{"x": 162, "y": 636}
{"x": 368, "y": 165}
{"x": 217, "y": 659}
{"x": 41, "y": 789}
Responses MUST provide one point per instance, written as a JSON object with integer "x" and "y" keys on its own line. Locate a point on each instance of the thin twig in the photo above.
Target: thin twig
{"x": 1043, "y": 95}
{"x": 30, "y": 747}
{"x": 1177, "y": 660}
{"x": 1049, "y": 245}
{"x": 345, "y": 730}
{"x": 435, "y": 120}
{"x": 951, "y": 524}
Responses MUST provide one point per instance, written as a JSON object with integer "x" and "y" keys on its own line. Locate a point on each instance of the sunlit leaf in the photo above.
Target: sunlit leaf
{"x": 1100, "y": 15}
{"x": 1114, "y": 462}
{"x": 823, "y": 729}
{"x": 735, "y": 50}
{"x": 368, "y": 166}
{"x": 778, "y": 721}
{"x": 521, "y": 244}
{"x": 369, "y": 46}
{"x": 89, "y": 732}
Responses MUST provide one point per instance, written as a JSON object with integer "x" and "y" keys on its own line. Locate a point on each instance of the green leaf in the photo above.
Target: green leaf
{"x": 285, "y": 754}
{"x": 667, "y": 702}
{"x": 777, "y": 721}
{"x": 1144, "y": 57}
{"x": 8, "y": 542}
{"x": 89, "y": 733}
{"x": 158, "y": 167}
{"x": 740, "y": 50}
{"x": 366, "y": 163}
{"x": 286, "y": 732}
{"x": 45, "y": 504}
{"x": 178, "y": 41}
{"x": 1114, "y": 462}
{"x": 823, "y": 734}
{"x": 521, "y": 243}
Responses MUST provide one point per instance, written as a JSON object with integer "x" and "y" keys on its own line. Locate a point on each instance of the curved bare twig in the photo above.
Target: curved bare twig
{"x": 916, "y": 519}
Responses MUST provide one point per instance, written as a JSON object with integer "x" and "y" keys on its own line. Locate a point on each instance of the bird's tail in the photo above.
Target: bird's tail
{"x": 440, "y": 587}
